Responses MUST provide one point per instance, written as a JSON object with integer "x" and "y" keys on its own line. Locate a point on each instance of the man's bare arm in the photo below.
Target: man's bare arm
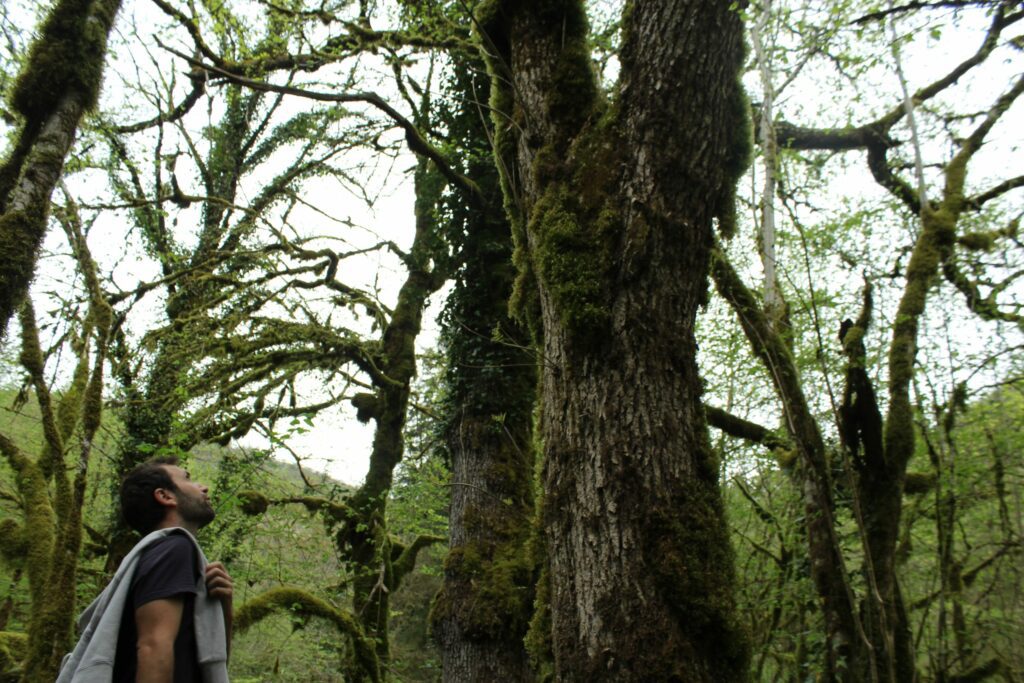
{"x": 157, "y": 623}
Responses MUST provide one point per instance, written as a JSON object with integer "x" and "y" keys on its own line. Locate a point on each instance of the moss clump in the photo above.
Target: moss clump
{"x": 13, "y": 544}
{"x": 253, "y": 503}
{"x": 577, "y": 226}
{"x": 737, "y": 156}
{"x": 13, "y": 647}
{"x": 21, "y": 233}
{"x": 67, "y": 57}
{"x": 917, "y": 483}
{"x": 498, "y": 599}
{"x": 978, "y": 241}
{"x": 688, "y": 549}
{"x": 367, "y": 406}
{"x": 573, "y": 257}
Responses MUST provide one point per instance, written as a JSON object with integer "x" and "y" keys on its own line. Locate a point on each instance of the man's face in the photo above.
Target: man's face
{"x": 193, "y": 502}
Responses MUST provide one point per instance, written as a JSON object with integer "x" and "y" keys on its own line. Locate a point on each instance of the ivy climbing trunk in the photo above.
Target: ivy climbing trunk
{"x": 613, "y": 205}
{"x": 481, "y": 615}
{"x": 59, "y": 83}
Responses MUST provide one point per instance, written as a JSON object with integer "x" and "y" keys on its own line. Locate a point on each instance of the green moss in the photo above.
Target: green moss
{"x": 501, "y": 588}
{"x": 574, "y": 91}
{"x": 573, "y": 257}
{"x": 538, "y": 635}
{"x": 978, "y": 241}
{"x": 253, "y": 502}
{"x": 576, "y": 227}
{"x": 787, "y": 458}
{"x": 66, "y": 57}
{"x": 13, "y": 544}
{"x": 367, "y": 406}
{"x": 13, "y": 647}
{"x": 21, "y": 234}
{"x": 688, "y": 551}
{"x": 301, "y": 603}
{"x": 737, "y": 156}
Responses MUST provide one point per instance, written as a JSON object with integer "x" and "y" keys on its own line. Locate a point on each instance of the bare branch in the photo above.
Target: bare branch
{"x": 414, "y": 140}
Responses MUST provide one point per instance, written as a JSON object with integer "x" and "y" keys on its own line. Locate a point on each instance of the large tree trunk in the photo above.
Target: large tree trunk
{"x": 481, "y": 616}
{"x": 616, "y": 207}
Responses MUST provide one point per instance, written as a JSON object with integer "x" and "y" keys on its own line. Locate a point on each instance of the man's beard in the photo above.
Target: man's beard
{"x": 195, "y": 510}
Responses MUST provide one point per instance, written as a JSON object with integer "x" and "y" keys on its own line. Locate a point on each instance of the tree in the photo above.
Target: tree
{"x": 49, "y": 537}
{"x": 866, "y": 620}
{"x": 612, "y": 202}
{"x": 260, "y": 351}
{"x": 481, "y": 615}
{"x": 59, "y": 83}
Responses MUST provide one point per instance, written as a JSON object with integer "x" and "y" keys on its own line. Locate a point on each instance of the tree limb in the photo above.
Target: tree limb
{"x": 743, "y": 429}
{"x": 298, "y": 602}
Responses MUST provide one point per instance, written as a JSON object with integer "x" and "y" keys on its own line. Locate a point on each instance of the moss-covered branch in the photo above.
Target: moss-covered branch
{"x": 405, "y": 561}
{"x": 59, "y": 83}
{"x": 298, "y": 602}
{"x": 255, "y": 503}
{"x": 414, "y": 138}
{"x": 743, "y": 429}
{"x": 828, "y": 564}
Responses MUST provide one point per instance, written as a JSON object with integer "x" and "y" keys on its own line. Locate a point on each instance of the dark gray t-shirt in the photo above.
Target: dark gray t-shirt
{"x": 168, "y": 568}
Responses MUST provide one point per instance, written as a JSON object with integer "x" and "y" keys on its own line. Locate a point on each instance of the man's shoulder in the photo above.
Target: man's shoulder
{"x": 174, "y": 547}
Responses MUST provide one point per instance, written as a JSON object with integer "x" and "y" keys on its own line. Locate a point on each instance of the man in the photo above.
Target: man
{"x": 166, "y": 615}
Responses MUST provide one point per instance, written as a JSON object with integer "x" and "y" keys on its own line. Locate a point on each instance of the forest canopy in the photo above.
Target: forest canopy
{"x": 525, "y": 340}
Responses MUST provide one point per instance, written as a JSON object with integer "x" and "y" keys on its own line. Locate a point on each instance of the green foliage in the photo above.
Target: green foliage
{"x": 299, "y": 602}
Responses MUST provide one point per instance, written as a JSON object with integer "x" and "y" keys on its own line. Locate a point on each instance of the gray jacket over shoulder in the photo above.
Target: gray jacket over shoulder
{"x": 92, "y": 660}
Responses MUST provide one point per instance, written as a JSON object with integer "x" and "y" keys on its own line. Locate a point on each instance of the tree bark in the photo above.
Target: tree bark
{"x": 482, "y": 613}
{"x": 614, "y": 208}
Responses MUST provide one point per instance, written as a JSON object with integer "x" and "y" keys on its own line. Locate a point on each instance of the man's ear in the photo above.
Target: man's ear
{"x": 165, "y": 497}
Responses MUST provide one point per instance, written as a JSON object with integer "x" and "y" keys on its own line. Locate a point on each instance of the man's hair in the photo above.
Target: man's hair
{"x": 139, "y": 507}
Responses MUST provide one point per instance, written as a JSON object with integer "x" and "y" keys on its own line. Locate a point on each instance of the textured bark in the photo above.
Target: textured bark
{"x": 481, "y": 615}
{"x": 618, "y": 207}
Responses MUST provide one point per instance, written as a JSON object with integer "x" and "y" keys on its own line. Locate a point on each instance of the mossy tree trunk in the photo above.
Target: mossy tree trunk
{"x": 481, "y": 615}
{"x": 52, "y": 497}
{"x": 365, "y": 544}
{"x": 613, "y": 207}
{"x": 59, "y": 83}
